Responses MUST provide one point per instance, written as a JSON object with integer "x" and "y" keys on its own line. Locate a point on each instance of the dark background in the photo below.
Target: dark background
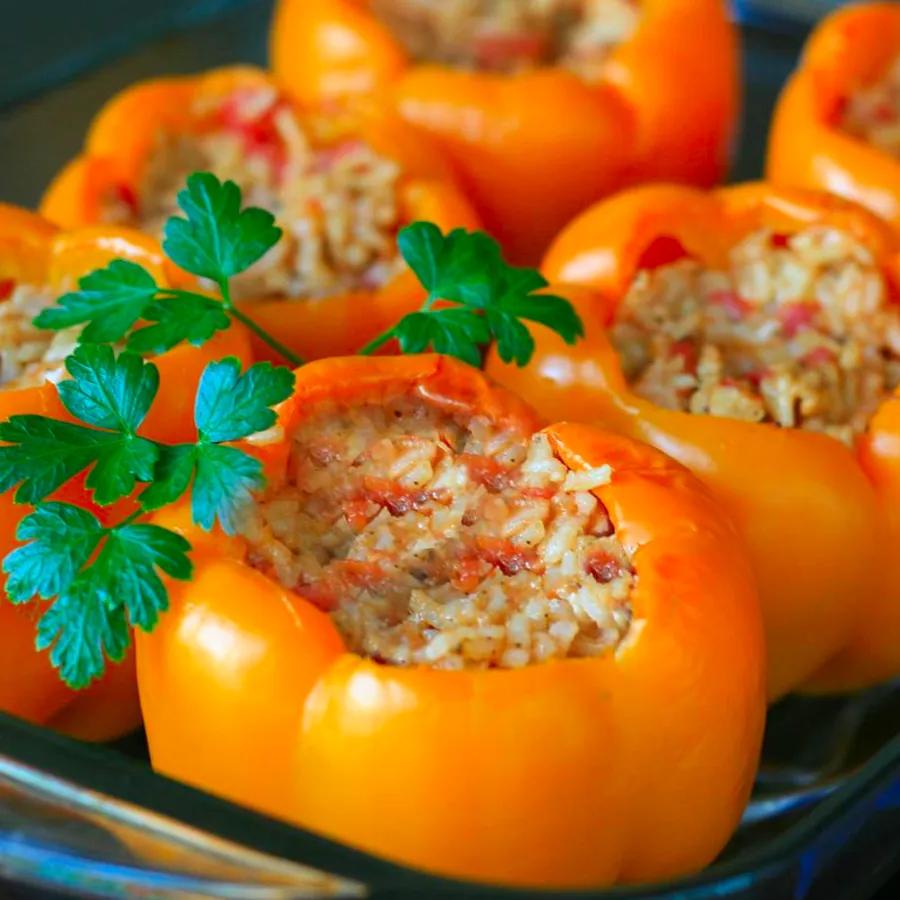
{"x": 60, "y": 60}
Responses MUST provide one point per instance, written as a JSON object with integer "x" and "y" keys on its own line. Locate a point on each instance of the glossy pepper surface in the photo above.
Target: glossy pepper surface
{"x": 571, "y": 772}
{"x": 35, "y": 252}
{"x": 812, "y": 510}
{"x": 808, "y": 147}
{"x": 127, "y": 130}
{"x": 535, "y": 148}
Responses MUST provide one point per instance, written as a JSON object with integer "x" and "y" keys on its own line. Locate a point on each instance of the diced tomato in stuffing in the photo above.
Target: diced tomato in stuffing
{"x": 734, "y": 305}
{"x": 794, "y": 317}
{"x": 344, "y": 574}
{"x": 604, "y": 567}
{"x": 124, "y": 193}
{"x": 7, "y": 286}
{"x": 259, "y": 133}
{"x": 499, "y": 50}
{"x": 687, "y": 351}
{"x": 485, "y": 471}
{"x": 382, "y": 493}
{"x": 507, "y": 557}
{"x": 821, "y": 356}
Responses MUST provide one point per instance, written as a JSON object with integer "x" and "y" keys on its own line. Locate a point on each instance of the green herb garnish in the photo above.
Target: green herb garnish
{"x": 104, "y": 578}
{"x": 492, "y": 299}
{"x": 216, "y": 240}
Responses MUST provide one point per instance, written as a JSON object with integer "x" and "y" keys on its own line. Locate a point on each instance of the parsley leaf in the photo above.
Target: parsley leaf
{"x": 223, "y": 480}
{"x": 230, "y": 405}
{"x": 217, "y": 239}
{"x": 95, "y": 602}
{"x": 108, "y": 391}
{"x": 178, "y": 316}
{"x": 62, "y": 539}
{"x": 453, "y": 331}
{"x": 125, "y": 569}
{"x": 82, "y": 630}
{"x": 493, "y": 299}
{"x": 110, "y": 300}
{"x": 42, "y": 454}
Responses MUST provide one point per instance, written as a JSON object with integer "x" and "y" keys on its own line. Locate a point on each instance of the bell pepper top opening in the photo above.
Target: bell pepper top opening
{"x": 800, "y": 331}
{"x": 337, "y": 199}
{"x": 512, "y": 35}
{"x": 441, "y": 540}
{"x": 29, "y": 356}
{"x": 872, "y": 113}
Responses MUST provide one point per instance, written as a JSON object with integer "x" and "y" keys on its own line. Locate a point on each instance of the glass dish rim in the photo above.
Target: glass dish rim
{"x": 113, "y": 774}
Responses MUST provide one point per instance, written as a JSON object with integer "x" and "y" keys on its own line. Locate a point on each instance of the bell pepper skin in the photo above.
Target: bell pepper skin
{"x": 123, "y": 136}
{"x": 576, "y": 772}
{"x": 665, "y": 108}
{"x": 807, "y": 146}
{"x": 809, "y": 508}
{"x": 34, "y": 251}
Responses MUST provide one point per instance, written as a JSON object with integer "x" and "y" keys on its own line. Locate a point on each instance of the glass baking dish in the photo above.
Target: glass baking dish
{"x": 825, "y": 815}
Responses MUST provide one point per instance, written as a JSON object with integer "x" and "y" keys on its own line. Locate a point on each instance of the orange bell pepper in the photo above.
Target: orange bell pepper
{"x": 122, "y": 140}
{"x": 535, "y": 148}
{"x": 35, "y": 252}
{"x": 807, "y": 147}
{"x": 811, "y": 509}
{"x": 576, "y": 771}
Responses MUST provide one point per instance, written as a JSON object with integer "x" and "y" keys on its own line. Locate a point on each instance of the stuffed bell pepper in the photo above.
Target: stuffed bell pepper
{"x": 38, "y": 262}
{"x": 544, "y": 106}
{"x": 453, "y": 639}
{"x": 837, "y": 124}
{"x": 753, "y": 334}
{"x": 339, "y": 184}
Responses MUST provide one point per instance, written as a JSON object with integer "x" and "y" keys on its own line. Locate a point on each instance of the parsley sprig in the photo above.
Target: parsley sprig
{"x": 216, "y": 239}
{"x": 101, "y": 578}
{"x": 474, "y": 297}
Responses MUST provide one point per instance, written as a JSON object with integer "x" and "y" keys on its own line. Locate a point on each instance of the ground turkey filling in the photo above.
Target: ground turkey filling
{"x": 799, "y": 331}
{"x": 335, "y": 198}
{"x": 29, "y": 355}
{"x": 442, "y": 542}
{"x": 873, "y": 114}
{"x": 509, "y": 35}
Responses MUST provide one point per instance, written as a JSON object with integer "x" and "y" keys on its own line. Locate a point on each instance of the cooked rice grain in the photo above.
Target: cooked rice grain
{"x": 509, "y": 35}
{"x": 444, "y": 543}
{"x": 29, "y": 355}
{"x": 799, "y": 331}
{"x": 873, "y": 113}
{"x": 335, "y": 198}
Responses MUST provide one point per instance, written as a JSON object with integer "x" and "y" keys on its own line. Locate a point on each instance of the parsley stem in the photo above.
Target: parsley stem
{"x": 261, "y": 333}
{"x": 258, "y": 330}
{"x": 374, "y": 345}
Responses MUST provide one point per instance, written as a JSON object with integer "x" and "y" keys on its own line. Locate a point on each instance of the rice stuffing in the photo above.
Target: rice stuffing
{"x": 510, "y": 35}
{"x": 445, "y": 543}
{"x": 873, "y": 113}
{"x": 335, "y": 198}
{"x": 800, "y": 331}
{"x": 30, "y": 356}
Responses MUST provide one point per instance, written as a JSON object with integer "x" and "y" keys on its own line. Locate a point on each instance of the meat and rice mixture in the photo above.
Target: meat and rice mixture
{"x": 335, "y": 198}
{"x": 29, "y": 355}
{"x": 509, "y": 35}
{"x": 873, "y": 114}
{"x": 800, "y": 331}
{"x": 442, "y": 542}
